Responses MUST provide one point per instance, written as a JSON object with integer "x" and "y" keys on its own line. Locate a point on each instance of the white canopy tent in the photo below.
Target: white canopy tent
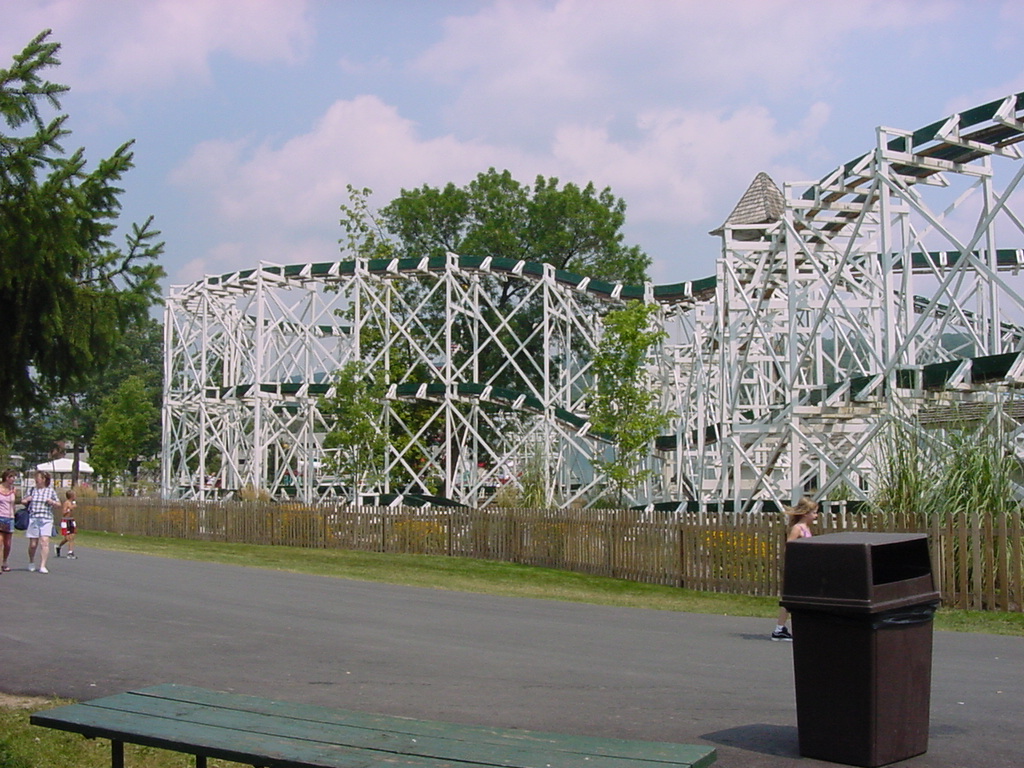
{"x": 64, "y": 466}
{"x": 60, "y": 470}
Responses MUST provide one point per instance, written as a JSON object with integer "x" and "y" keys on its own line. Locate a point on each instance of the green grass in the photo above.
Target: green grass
{"x": 497, "y": 578}
{"x": 23, "y": 745}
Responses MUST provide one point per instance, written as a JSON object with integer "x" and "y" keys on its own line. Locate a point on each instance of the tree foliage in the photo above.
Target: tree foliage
{"x": 571, "y": 227}
{"x": 365, "y": 232}
{"x": 623, "y": 403}
{"x": 355, "y": 442}
{"x": 68, "y": 290}
{"x": 128, "y": 426}
{"x": 74, "y": 415}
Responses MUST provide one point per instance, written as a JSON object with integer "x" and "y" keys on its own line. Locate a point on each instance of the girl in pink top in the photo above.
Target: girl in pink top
{"x": 7, "y": 499}
{"x": 801, "y": 516}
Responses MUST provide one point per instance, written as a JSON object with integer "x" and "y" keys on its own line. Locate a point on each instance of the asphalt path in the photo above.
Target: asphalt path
{"x": 111, "y": 621}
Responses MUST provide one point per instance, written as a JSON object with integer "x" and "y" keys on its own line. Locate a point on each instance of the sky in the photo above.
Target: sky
{"x": 250, "y": 117}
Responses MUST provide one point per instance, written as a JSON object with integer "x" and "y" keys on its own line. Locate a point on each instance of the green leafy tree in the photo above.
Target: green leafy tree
{"x": 355, "y": 441}
{"x": 127, "y": 429}
{"x": 68, "y": 290}
{"x": 365, "y": 232}
{"x": 571, "y": 227}
{"x": 623, "y": 403}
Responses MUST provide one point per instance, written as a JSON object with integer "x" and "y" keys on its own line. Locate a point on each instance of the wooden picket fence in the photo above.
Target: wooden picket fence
{"x": 977, "y": 562}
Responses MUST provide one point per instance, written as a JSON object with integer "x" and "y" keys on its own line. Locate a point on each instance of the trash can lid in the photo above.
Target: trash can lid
{"x": 858, "y": 572}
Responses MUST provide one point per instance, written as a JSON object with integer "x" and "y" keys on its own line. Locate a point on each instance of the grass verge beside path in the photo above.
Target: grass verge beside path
{"x": 497, "y": 578}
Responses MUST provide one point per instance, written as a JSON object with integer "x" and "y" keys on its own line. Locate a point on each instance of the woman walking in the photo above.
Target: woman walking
{"x": 801, "y": 516}
{"x": 42, "y": 500}
{"x": 7, "y": 500}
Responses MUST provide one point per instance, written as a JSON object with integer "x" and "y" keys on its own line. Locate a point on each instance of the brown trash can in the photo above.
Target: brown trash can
{"x": 862, "y": 607}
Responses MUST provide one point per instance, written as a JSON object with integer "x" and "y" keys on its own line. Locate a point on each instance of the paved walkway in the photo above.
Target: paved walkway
{"x": 113, "y": 621}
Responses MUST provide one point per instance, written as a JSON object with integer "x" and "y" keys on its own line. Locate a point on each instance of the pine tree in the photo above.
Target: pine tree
{"x": 67, "y": 291}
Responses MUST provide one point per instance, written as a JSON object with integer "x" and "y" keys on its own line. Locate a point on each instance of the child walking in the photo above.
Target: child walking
{"x": 67, "y": 525}
{"x": 801, "y": 516}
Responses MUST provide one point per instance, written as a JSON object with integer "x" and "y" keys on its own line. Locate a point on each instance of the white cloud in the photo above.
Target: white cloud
{"x": 518, "y": 65}
{"x": 111, "y": 45}
{"x": 680, "y": 168}
{"x": 675, "y": 106}
{"x": 301, "y": 184}
{"x": 685, "y": 161}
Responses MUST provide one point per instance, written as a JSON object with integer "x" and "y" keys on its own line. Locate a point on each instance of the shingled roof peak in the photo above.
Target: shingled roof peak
{"x": 762, "y": 203}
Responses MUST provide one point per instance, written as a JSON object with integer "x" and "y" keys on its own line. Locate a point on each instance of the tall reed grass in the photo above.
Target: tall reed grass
{"x": 965, "y": 481}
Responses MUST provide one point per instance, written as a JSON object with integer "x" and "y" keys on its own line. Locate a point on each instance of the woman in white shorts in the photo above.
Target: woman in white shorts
{"x": 42, "y": 500}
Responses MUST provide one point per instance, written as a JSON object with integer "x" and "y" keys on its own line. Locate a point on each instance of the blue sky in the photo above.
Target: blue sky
{"x": 251, "y": 116}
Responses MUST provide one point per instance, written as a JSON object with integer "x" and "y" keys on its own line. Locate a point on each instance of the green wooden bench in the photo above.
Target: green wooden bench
{"x": 277, "y": 734}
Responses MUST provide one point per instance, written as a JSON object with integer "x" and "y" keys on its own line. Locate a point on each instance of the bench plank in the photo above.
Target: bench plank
{"x": 518, "y": 755}
{"x": 392, "y": 724}
{"x": 259, "y": 731}
{"x": 238, "y": 746}
{"x": 634, "y": 750}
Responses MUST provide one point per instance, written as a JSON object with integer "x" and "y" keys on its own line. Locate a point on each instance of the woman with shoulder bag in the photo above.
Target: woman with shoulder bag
{"x": 42, "y": 500}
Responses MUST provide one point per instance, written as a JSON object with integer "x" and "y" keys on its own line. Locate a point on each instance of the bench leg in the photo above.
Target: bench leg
{"x": 200, "y": 761}
{"x": 116, "y": 754}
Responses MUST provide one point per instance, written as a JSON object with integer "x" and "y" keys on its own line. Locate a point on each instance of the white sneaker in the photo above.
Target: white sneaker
{"x": 31, "y": 566}
{"x": 43, "y": 570}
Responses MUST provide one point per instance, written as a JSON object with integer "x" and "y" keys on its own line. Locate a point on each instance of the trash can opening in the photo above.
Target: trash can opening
{"x": 900, "y": 561}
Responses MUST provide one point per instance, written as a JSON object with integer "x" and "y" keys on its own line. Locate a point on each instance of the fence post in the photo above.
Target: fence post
{"x": 681, "y": 564}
